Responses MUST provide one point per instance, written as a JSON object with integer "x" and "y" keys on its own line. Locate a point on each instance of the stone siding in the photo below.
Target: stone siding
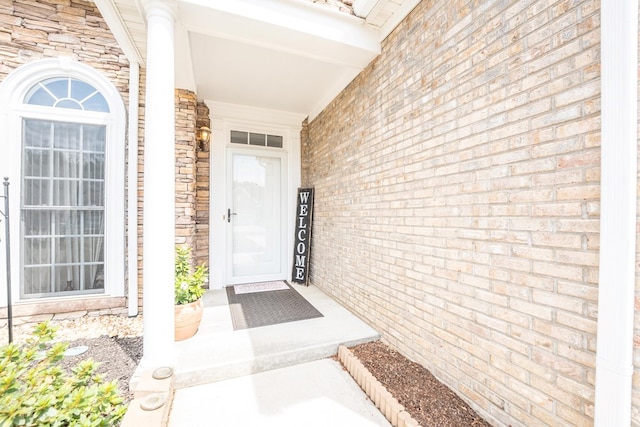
{"x": 202, "y": 192}
{"x": 33, "y": 30}
{"x": 192, "y": 177}
{"x": 186, "y": 111}
{"x": 457, "y": 202}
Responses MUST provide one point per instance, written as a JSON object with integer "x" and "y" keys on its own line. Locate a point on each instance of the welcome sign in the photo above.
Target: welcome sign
{"x": 302, "y": 246}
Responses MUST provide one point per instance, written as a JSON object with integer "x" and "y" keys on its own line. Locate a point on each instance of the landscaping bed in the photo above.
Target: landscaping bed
{"x": 427, "y": 400}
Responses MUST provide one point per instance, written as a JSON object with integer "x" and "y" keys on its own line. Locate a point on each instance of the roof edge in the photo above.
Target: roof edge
{"x": 117, "y": 26}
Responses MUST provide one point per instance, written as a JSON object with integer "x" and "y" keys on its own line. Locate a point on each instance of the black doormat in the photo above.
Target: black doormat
{"x": 257, "y": 309}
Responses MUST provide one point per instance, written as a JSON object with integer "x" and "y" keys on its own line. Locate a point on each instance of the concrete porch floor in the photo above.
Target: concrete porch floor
{"x": 277, "y": 375}
{"x": 217, "y": 352}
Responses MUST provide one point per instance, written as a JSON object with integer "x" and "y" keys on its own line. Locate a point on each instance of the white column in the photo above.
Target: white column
{"x": 614, "y": 357}
{"x": 159, "y": 188}
{"x": 132, "y": 201}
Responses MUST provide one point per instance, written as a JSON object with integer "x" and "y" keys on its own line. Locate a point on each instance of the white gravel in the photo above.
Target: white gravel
{"x": 81, "y": 327}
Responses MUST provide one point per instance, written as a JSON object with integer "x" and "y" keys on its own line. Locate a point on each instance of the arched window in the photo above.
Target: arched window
{"x": 67, "y": 93}
{"x": 70, "y": 148}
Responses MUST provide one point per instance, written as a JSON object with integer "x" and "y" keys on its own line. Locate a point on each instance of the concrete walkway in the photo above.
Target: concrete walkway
{"x": 273, "y": 375}
{"x": 316, "y": 393}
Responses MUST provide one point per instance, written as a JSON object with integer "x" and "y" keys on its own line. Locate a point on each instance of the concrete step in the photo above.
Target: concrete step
{"x": 210, "y": 368}
{"x": 217, "y": 352}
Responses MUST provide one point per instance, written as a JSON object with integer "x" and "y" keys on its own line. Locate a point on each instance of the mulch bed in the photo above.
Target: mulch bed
{"x": 426, "y": 399}
{"x": 118, "y": 358}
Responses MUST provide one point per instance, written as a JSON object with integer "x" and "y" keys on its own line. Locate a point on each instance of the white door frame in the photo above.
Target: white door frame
{"x": 227, "y": 117}
{"x": 236, "y": 149}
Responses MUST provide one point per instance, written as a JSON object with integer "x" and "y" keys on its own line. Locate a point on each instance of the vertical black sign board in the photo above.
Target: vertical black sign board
{"x": 302, "y": 246}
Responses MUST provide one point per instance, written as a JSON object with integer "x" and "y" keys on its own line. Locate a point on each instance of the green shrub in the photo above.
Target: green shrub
{"x": 36, "y": 391}
{"x": 189, "y": 283}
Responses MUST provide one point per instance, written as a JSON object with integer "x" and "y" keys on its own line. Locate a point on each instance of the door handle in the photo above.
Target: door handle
{"x": 229, "y": 213}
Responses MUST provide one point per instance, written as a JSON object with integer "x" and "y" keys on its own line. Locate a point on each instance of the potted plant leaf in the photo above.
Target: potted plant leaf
{"x": 189, "y": 288}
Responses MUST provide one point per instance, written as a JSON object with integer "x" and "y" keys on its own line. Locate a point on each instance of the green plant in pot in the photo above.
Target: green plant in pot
{"x": 189, "y": 288}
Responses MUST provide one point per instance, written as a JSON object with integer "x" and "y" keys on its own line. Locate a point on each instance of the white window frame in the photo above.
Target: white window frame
{"x": 12, "y": 111}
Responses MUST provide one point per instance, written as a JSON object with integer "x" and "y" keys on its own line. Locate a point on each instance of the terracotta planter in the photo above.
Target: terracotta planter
{"x": 188, "y": 318}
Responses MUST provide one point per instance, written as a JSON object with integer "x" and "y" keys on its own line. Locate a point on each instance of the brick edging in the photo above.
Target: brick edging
{"x": 150, "y": 387}
{"x": 384, "y": 401}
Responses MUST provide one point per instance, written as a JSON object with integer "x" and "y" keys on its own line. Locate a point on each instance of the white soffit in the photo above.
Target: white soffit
{"x": 288, "y": 25}
{"x": 289, "y": 55}
{"x": 285, "y": 55}
{"x": 238, "y": 73}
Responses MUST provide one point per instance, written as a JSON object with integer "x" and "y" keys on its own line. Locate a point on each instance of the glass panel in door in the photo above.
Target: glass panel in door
{"x": 255, "y": 217}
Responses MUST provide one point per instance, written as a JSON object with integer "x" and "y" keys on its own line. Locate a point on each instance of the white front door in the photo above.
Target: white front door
{"x": 255, "y": 173}
{"x": 255, "y": 229}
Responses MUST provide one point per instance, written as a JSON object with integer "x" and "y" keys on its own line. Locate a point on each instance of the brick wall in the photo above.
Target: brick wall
{"x": 635, "y": 404}
{"x": 305, "y": 161}
{"x": 457, "y": 201}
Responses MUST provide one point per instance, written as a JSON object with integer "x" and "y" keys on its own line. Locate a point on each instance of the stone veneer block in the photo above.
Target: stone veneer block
{"x": 31, "y": 319}
{"x": 70, "y": 315}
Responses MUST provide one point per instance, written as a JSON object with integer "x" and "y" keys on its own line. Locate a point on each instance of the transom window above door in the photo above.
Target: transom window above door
{"x": 256, "y": 139}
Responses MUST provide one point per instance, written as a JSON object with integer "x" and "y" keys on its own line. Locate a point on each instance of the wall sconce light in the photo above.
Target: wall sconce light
{"x": 204, "y": 135}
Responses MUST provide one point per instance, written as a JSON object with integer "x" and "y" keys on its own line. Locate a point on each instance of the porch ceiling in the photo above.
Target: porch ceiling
{"x": 288, "y": 55}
